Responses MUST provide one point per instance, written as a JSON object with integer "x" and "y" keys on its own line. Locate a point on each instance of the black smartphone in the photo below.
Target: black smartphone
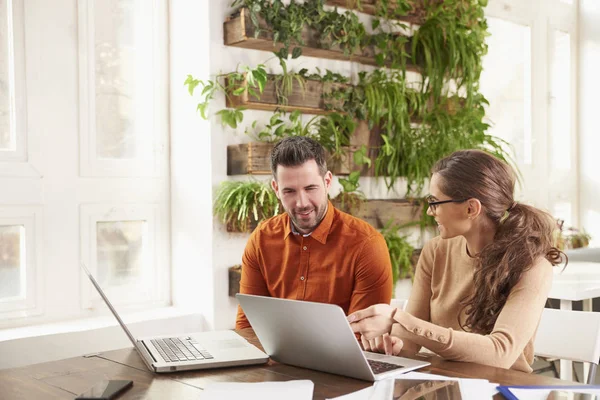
{"x": 105, "y": 390}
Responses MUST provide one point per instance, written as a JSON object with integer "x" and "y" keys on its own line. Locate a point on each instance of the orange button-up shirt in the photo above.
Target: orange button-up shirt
{"x": 344, "y": 261}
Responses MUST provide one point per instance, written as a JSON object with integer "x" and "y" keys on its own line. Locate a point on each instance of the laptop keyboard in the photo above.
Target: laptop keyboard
{"x": 379, "y": 367}
{"x": 180, "y": 349}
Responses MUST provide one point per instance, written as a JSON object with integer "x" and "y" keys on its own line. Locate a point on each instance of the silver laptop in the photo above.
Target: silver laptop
{"x": 317, "y": 336}
{"x": 193, "y": 351}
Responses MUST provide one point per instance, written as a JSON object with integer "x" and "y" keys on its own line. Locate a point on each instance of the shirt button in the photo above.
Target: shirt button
{"x": 304, "y": 248}
{"x": 441, "y": 339}
{"x": 301, "y": 278}
{"x": 417, "y": 331}
{"x": 429, "y": 334}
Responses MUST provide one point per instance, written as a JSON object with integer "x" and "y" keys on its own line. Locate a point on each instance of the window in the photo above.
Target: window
{"x": 119, "y": 248}
{"x": 20, "y": 286}
{"x": 528, "y": 80}
{"x": 120, "y": 82}
{"x": 506, "y": 83}
{"x": 92, "y": 181}
{"x": 12, "y": 262}
{"x": 560, "y": 100}
{"x": 12, "y": 116}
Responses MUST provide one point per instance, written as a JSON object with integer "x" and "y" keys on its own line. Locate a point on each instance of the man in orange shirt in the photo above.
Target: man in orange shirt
{"x": 313, "y": 251}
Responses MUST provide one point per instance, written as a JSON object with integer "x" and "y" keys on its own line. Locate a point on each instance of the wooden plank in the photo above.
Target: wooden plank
{"x": 415, "y": 16}
{"x": 379, "y": 212}
{"x": 307, "y": 99}
{"x": 238, "y": 31}
{"x": 255, "y": 159}
{"x": 235, "y": 275}
{"x": 249, "y": 158}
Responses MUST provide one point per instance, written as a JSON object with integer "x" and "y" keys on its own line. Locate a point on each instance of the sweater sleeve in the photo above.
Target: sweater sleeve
{"x": 420, "y": 294}
{"x": 514, "y": 328}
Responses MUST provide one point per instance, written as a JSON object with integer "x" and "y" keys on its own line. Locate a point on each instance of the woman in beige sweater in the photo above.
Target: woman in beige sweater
{"x": 481, "y": 285}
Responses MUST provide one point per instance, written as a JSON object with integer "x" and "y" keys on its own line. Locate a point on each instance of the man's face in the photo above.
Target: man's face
{"x": 303, "y": 193}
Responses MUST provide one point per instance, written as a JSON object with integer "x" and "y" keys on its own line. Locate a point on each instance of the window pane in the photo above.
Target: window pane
{"x": 560, "y": 101}
{"x": 120, "y": 251}
{"x": 12, "y": 261}
{"x": 7, "y": 134}
{"x": 506, "y": 83}
{"x": 123, "y": 75}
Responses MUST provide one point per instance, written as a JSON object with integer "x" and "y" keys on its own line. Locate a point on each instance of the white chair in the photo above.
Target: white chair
{"x": 570, "y": 335}
{"x": 399, "y": 303}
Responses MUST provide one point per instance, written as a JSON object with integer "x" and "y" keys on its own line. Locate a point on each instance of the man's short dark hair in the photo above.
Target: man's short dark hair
{"x": 296, "y": 150}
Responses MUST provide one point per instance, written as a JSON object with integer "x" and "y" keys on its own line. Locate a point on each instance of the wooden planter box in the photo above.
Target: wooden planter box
{"x": 379, "y": 212}
{"x": 249, "y": 159}
{"x": 307, "y": 100}
{"x": 414, "y": 16}
{"x": 255, "y": 159}
{"x": 235, "y": 275}
{"x": 238, "y": 31}
{"x": 252, "y": 224}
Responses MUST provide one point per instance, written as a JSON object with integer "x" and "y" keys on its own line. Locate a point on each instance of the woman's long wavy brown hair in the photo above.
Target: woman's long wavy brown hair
{"x": 523, "y": 233}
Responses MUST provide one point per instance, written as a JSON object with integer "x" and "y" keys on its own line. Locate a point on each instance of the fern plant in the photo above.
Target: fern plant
{"x": 241, "y": 205}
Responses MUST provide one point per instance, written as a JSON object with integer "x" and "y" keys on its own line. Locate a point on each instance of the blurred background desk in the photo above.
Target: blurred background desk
{"x": 580, "y": 281}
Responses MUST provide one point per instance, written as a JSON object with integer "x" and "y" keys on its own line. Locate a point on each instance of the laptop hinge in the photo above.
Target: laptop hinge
{"x": 146, "y": 355}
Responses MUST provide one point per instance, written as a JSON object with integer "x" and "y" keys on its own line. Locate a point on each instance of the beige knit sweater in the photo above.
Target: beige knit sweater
{"x": 444, "y": 277}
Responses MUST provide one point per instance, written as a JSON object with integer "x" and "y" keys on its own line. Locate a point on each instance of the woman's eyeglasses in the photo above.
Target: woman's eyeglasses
{"x": 434, "y": 204}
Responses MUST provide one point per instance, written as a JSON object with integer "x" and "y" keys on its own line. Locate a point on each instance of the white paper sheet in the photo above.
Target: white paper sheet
{"x": 470, "y": 389}
{"x": 290, "y": 390}
{"x": 542, "y": 394}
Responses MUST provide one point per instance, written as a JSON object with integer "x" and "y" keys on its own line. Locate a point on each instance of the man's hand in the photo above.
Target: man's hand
{"x": 390, "y": 345}
{"x": 374, "y": 321}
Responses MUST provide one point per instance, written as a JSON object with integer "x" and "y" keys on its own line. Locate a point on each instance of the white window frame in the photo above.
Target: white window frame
{"x": 153, "y": 145}
{"x": 543, "y": 16}
{"x": 19, "y": 162}
{"x": 562, "y": 185}
{"x": 30, "y": 217}
{"x": 158, "y": 293}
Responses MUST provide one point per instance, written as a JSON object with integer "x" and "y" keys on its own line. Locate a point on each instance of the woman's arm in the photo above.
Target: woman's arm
{"x": 420, "y": 295}
{"x": 514, "y": 327}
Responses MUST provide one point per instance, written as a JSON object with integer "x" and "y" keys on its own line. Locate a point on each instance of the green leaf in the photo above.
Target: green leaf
{"x": 297, "y": 52}
{"x": 282, "y": 53}
{"x": 353, "y": 177}
{"x": 239, "y": 91}
{"x": 253, "y": 93}
{"x": 191, "y": 84}
{"x": 202, "y": 109}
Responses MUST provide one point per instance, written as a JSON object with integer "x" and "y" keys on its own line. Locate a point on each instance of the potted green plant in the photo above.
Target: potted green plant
{"x": 242, "y": 205}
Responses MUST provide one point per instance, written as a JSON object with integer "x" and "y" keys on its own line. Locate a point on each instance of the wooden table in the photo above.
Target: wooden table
{"x": 65, "y": 379}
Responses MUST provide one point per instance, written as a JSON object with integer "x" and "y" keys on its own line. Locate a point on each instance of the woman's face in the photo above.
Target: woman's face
{"x": 452, "y": 218}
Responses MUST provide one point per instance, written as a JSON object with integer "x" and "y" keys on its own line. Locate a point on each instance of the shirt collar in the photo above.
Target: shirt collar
{"x": 321, "y": 231}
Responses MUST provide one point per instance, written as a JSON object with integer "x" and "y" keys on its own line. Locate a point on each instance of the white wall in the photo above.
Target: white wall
{"x": 191, "y": 162}
{"x": 227, "y": 247}
{"x": 589, "y": 131}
